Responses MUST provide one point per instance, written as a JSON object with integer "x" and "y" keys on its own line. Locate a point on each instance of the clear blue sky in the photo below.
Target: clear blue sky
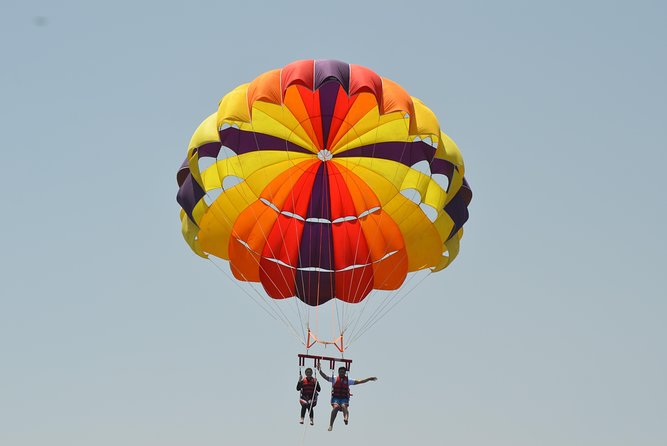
{"x": 548, "y": 330}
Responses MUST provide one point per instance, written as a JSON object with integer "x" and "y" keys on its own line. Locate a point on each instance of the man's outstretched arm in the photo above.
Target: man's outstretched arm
{"x": 365, "y": 380}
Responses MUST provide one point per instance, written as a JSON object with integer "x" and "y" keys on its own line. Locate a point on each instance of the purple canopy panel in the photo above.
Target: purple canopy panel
{"x": 240, "y": 141}
{"x": 316, "y": 247}
{"x": 189, "y": 194}
{"x": 332, "y": 69}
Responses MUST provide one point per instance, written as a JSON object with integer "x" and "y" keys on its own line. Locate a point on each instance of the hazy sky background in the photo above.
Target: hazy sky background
{"x": 549, "y": 329}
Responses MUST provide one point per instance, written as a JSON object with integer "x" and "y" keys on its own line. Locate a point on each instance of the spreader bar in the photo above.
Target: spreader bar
{"x": 317, "y": 361}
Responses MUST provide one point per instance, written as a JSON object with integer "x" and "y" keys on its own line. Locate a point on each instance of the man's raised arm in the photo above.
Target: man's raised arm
{"x": 324, "y": 375}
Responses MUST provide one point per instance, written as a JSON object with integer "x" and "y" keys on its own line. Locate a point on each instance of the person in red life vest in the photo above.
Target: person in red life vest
{"x": 309, "y": 388}
{"x": 340, "y": 393}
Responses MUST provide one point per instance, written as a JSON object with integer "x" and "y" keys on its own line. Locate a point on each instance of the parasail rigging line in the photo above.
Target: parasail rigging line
{"x": 278, "y": 221}
{"x": 396, "y": 302}
{"x": 267, "y": 300}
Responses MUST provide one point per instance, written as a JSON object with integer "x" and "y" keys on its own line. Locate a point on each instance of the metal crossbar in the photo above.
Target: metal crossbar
{"x": 318, "y": 359}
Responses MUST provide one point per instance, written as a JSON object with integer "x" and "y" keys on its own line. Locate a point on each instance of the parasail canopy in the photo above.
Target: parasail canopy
{"x": 321, "y": 181}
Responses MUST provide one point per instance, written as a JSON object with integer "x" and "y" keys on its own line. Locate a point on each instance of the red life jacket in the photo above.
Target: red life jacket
{"x": 308, "y": 389}
{"x": 340, "y": 388}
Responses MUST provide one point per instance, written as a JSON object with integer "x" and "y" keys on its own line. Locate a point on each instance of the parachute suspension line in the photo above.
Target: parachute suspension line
{"x": 356, "y": 252}
{"x": 378, "y": 299}
{"x": 265, "y": 236}
{"x": 338, "y": 317}
{"x": 282, "y": 234}
{"x": 274, "y": 315}
{"x": 387, "y": 305}
{"x": 277, "y": 311}
{"x": 324, "y": 208}
{"x": 339, "y": 342}
{"x": 267, "y": 300}
{"x": 360, "y": 232}
{"x": 307, "y": 323}
{"x": 391, "y": 307}
{"x": 384, "y": 298}
{"x": 369, "y": 297}
{"x": 341, "y": 315}
{"x": 361, "y": 325}
{"x": 297, "y": 304}
{"x": 318, "y": 274}
{"x": 393, "y": 304}
{"x": 270, "y": 302}
{"x": 355, "y": 323}
{"x": 345, "y": 323}
{"x": 391, "y": 296}
{"x": 335, "y": 320}
{"x": 383, "y": 303}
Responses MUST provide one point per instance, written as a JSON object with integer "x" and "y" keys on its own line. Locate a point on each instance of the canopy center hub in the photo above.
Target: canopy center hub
{"x": 324, "y": 155}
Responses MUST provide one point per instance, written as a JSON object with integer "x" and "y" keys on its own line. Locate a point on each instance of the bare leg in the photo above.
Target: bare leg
{"x": 334, "y": 412}
{"x": 346, "y": 414}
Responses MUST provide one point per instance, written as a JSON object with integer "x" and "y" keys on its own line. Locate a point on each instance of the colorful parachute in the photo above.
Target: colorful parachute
{"x": 323, "y": 180}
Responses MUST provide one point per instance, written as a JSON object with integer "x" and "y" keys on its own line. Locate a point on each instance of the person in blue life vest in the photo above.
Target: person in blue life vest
{"x": 309, "y": 388}
{"x": 340, "y": 392}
